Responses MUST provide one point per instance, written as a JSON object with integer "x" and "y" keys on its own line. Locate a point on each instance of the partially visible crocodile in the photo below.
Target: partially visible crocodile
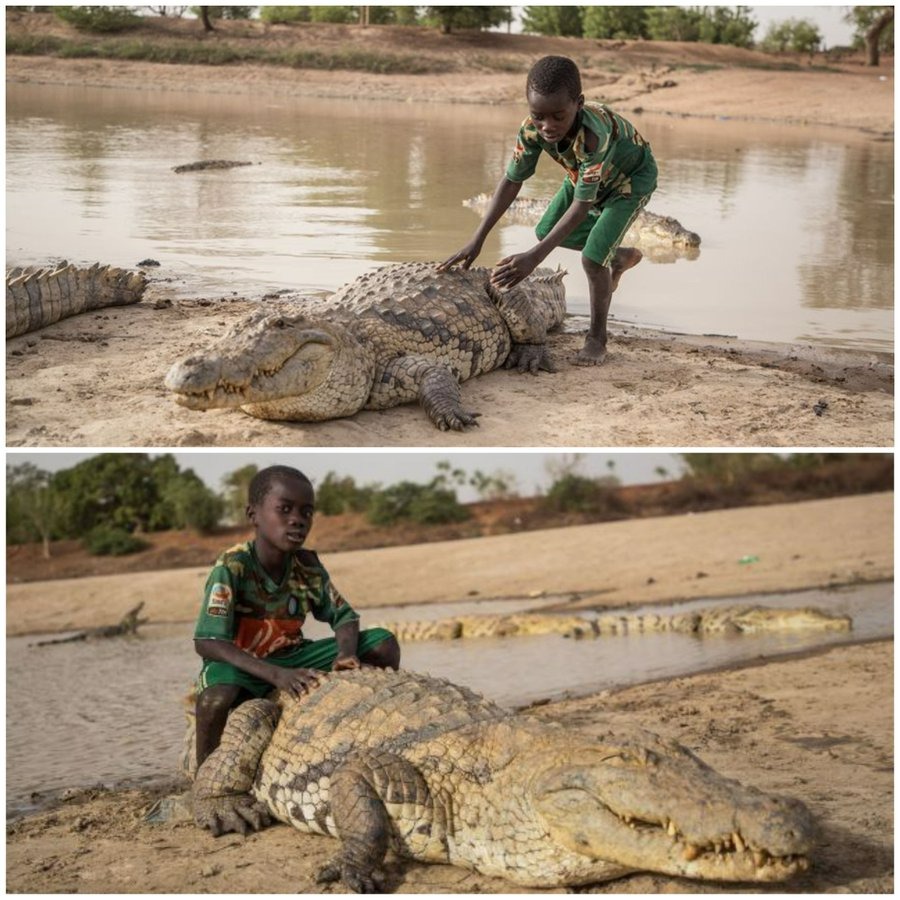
{"x": 205, "y": 164}
{"x": 714, "y": 620}
{"x": 395, "y": 760}
{"x": 38, "y": 296}
{"x": 401, "y": 333}
{"x": 660, "y": 238}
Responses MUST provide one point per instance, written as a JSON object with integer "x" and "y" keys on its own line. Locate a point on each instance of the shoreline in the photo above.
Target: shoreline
{"x": 810, "y": 545}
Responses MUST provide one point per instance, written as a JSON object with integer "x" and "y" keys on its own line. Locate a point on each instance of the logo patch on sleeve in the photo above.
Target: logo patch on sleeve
{"x": 218, "y": 602}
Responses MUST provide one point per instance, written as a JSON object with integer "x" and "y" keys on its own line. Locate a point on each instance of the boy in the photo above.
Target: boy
{"x": 610, "y": 176}
{"x": 254, "y": 604}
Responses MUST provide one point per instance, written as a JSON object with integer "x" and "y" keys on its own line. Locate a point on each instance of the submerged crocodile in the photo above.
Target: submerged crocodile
{"x": 714, "y": 620}
{"x": 205, "y": 164}
{"x": 399, "y": 761}
{"x": 401, "y": 333}
{"x": 38, "y": 296}
{"x": 661, "y": 238}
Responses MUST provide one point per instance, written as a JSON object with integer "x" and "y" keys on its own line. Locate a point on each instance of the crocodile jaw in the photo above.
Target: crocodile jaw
{"x": 633, "y": 809}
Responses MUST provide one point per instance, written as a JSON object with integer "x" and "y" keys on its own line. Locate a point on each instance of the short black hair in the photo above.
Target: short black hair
{"x": 262, "y": 481}
{"x": 554, "y": 73}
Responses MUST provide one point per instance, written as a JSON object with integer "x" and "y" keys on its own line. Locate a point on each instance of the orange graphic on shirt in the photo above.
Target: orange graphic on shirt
{"x": 262, "y": 637}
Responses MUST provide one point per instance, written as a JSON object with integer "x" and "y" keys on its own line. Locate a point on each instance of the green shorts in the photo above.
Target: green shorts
{"x": 599, "y": 236}
{"x": 308, "y": 655}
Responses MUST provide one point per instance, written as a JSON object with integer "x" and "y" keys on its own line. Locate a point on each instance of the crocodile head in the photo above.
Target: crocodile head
{"x": 638, "y": 802}
{"x": 278, "y": 364}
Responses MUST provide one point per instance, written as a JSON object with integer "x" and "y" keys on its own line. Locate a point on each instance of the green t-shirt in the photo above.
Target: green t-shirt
{"x": 597, "y": 175}
{"x": 244, "y": 605}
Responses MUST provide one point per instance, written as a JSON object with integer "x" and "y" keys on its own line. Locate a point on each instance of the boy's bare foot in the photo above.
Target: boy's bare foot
{"x": 593, "y": 353}
{"x": 626, "y": 258}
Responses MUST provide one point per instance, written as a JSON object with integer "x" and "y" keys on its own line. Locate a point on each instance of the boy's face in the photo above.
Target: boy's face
{"x": 554, "y": 114}
{"x": 284, "y": 518}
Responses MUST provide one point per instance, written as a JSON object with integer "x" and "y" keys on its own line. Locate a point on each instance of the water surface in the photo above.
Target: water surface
{"x": 797, "y": 223}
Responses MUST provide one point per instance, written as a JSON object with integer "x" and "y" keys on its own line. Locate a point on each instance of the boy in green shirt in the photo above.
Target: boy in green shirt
{"x": 610, "y": 175}
{"x": 256, "y": 599}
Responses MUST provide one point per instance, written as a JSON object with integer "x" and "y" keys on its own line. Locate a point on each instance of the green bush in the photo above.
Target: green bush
{"x": 799, "y": 35}
{"x": 284, "y": 15}
{"x": 336, "y": 495}
{"x": 105, "y": 540}
{"x": 425, "y": 504}
{"x": 99, "y": 19}
{"x": 572, "y": 493}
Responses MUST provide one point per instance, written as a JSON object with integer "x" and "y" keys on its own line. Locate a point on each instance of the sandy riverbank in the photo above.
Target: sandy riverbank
{"x": 800, "y": 545}
{"x": 818, "y": 728}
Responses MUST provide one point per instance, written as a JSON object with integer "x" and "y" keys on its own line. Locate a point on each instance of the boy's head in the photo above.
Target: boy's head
{"x": 552, "y": 74}
{"x": 554, "y": 96}
{"x": 281, "y": 503}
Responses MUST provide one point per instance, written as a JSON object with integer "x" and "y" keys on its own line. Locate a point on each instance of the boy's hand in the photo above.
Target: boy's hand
{"x": 512, "y": 269}
{"x": 343, "y": 663}
{"x": 297, "y": 681}
{"x": 464, "y": 257}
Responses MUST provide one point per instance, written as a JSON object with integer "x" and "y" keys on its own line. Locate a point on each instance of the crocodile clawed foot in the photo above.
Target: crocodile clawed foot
{"x": 531, "y": 358}
{"x": 239, "y": 813}
{"x": 459, "y": 420}
{"x": 354, "y": 877}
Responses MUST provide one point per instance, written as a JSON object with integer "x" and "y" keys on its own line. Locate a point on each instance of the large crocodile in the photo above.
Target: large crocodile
{"x": 37, "y": 296}
{"x": 660, "y": 238}
{"x": 712, "y": 620}
{"x": 396, "y": 760}
{"x": 401, "y": 333}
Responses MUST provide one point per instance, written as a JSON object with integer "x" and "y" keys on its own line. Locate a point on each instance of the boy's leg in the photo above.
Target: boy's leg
{"x": 604, "y": 262}
{"x": 375, "y": 646}
{"x": 213, "y": 706}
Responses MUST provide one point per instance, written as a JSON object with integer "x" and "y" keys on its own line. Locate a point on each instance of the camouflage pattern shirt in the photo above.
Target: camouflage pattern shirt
{"x": 244, "y": 605}
{"x": 620, "y": 154}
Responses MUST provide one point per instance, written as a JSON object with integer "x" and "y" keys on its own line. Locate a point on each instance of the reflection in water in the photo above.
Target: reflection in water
{"x": 797, "y": 223}
{"x": 119, "y": 716}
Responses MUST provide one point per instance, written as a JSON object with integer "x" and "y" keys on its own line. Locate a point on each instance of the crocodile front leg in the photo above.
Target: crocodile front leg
{"x": 532, "y": 358}
{"x": 222, "y": 798}
{"x": 378, "y": 799}
{"x": 432, "y": 383}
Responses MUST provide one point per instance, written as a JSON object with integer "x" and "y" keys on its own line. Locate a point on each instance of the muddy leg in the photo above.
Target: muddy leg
{"x": 213, "y": 706}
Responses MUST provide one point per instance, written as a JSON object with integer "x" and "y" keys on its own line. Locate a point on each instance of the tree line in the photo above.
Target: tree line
{"x": 873, "y": 25}
{"x": 111, "y": 500}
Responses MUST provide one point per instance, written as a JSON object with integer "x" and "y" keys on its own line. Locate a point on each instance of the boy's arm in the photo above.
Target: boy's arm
{"x": 504, "y": 194}
{"x": 294, "y": 681}
{"x": 512, "y": 269}
{"x": 347, "y": 637}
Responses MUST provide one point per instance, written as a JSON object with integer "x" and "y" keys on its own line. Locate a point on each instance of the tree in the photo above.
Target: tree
{"x": 564, "y": 21}
{"x": 193, "y": 504}
{"x": 673, "y": 23}
{"x": 450, "y": 17}
{"x": 33, "y": 508}
{"x": 335, "y": 495}
{"x": 615, "y": 22}
{"x": 237, "y": 485}
{"x": 874, "y": 30}
{"x": 727, "y": 468}
{"x": 722, "y": 25}
{"x": 799, "y": 35}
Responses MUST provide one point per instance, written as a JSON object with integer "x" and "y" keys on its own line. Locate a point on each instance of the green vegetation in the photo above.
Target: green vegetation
{"x": 98, "y": 19}
{"x": 105, "y": 540}
{"x": 425, "y": 504}
{"x": 217, "y": 54}
{"x": 799, "y": 35}
{"x": 335, "y": 495}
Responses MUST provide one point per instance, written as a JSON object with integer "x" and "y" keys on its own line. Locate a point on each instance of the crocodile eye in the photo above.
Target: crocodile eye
{"x": 279, "y": 323}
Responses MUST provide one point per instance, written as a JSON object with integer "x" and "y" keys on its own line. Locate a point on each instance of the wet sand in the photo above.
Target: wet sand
{"x": 90, "y": 381}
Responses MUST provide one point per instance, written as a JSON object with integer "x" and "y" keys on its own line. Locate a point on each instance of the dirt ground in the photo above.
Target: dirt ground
{"x": 89, "y": 382}
{"x": 843, "y": 540}
{"x": 818, "y": 728}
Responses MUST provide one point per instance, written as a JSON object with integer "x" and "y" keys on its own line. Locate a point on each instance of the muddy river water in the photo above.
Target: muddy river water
{"x": 110, "y": 711}
{"x": 796, "y": 222}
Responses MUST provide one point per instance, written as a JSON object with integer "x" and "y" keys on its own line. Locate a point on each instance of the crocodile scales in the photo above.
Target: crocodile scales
{"x": 434, "y": 772}
{"x": 402, "y": 333}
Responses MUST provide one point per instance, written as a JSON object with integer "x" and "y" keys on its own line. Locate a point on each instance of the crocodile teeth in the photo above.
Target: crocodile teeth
{"x": 760, "y": 858}
{"x": 691, "y": 851}
{"x": 671, "y": 830}
{"x": 738, "y": 842}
